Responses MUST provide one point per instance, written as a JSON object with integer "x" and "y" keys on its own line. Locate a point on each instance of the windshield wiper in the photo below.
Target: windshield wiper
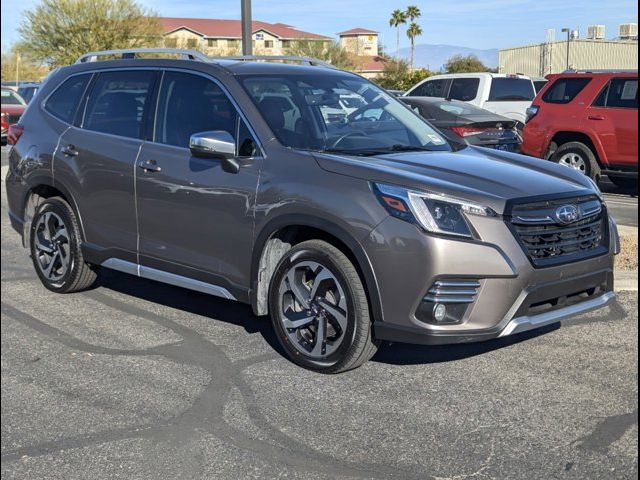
{"x": 409, "y": 148}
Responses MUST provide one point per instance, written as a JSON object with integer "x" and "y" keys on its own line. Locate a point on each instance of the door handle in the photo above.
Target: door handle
{"x": 150, "y": 166}
{"x": 597, "y": 117}
{"x": 69, "y": 151}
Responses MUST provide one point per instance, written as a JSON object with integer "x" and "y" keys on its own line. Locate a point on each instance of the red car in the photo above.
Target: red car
{"x": 587, "y": 121}
{"x": 12, "y": 108}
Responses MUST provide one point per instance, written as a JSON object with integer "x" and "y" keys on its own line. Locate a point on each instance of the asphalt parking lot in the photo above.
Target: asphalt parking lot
{"x": 134, "y": 379}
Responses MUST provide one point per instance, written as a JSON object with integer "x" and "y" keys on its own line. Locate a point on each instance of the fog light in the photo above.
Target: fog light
{"x": 439, "y": 312}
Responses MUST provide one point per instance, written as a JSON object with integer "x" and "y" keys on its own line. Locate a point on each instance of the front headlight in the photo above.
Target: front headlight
{"x": 433, "y": 212}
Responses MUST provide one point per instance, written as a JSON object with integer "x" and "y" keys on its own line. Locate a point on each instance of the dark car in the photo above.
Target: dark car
{"x": 227, "y": 177}
{"x": 461, "y": 122}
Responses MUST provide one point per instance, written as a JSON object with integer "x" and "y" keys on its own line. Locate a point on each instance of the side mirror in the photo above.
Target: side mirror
{"x": 219, "y": 145}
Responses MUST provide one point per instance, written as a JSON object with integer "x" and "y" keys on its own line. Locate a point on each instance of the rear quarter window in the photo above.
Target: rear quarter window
{"x": 564, "y": 90}
{"x": 64, "y": 101}
{"x": 511, "y": 90}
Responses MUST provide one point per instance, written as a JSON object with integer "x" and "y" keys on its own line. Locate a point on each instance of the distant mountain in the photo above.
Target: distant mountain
{"x": 435, "y": 56}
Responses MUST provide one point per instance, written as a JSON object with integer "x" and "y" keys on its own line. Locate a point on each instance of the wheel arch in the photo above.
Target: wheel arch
{"x": 282, "y": 233}
{"x": 566, "y": 136}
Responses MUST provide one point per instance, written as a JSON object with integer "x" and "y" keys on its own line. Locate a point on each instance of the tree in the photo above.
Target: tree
{"x": 465, "y": 64}
{"x": 413, "y": 13}
{"x": 398, "y": 76}
{"x": 57, "y": 32}
{"x": 413, "y": 32}
{"x": 328, "y": 52}
{"x": 27, "y": 69}
{"x": 398, "y": 18}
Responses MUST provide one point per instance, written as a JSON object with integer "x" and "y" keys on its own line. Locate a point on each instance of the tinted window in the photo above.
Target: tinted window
{"x": 539, "y": 85}
{"x": 117, "y": 101}
{"x": 564, "y": 90}
{"x": 64, "y": 102}
{"x": 511, "y": 90}
{"x": 464, "y": 89}
{"x": 431, "y": 88}
{"x": 192, "y": 104}
{"x": 623, "y": 93}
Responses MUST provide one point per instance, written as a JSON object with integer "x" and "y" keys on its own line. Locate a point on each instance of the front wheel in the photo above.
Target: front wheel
{"x": 319, "y": 309}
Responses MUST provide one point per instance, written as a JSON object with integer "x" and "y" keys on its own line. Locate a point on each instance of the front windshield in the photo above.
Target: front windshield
{"x": 339, "y": 113}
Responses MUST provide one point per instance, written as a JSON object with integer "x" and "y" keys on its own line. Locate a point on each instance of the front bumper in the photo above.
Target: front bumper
{"x": 513, "y": 297}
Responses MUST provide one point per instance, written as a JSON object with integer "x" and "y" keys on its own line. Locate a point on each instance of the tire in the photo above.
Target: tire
{"x": 340, "y": 309}
{"x": 55, "y": 242}
{"x": 625, "y": 183}
{"x": 578, "y": 156}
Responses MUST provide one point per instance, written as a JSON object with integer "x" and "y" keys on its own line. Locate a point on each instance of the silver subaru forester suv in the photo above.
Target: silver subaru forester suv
{"x": 250, "y": 180}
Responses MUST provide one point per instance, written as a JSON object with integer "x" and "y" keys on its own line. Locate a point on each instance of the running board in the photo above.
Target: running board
{"x": 166, "y": 277}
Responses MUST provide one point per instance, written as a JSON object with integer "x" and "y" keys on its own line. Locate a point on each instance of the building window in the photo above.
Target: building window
{"x": 171, "y": 42}
{"x": 192, "y": 43}
{"x": 268, "y": 44}
{"x": 286, "y": 43}
{"x": 212, "y": 42}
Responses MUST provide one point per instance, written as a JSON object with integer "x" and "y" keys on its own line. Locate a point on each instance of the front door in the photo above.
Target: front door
{"x": 195, "y": 219}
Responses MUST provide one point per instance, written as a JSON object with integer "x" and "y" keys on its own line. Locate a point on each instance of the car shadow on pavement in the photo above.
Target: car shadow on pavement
{"x": 239, "y": 314}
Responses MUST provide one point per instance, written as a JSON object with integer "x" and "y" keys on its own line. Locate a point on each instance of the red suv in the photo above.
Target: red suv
{"x": 587, "y": 121}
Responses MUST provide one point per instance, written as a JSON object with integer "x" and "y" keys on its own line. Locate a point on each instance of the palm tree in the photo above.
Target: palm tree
{"x": 413, "y": 13}
{"x": 398, "y": 18}
{"x": 413, "y": 32}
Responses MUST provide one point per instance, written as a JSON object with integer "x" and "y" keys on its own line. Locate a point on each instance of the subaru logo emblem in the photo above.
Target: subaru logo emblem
{"x": 568, "y": 214}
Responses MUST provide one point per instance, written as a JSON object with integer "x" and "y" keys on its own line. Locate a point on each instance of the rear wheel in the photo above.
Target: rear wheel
{"x": 319, "y": 309}
{"x": 579, "y": 157}
{"x": 55, "y": 248}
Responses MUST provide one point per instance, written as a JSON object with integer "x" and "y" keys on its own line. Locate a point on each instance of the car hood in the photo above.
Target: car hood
{"x": 489, "y": 177}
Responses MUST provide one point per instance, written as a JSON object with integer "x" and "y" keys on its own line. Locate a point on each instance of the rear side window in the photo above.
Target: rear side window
{"x": 465, "y": 89}
{"x": 564, "y": 90}
{"x": 431, "y": 88}
{"x": 117, "y": 103}
{"x": 620, "y": 93}
{"x": 192, "y": 104}
{"x": 64, "y": 102}
{"x": 511, "y": 90}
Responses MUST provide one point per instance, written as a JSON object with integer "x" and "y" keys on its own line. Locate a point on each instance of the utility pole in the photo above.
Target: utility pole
{"x": 247, "y": 28}
{"x": 568, "y": 32}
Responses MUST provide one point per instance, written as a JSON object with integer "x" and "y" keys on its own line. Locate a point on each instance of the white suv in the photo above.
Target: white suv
{"x": 504, "y": 94}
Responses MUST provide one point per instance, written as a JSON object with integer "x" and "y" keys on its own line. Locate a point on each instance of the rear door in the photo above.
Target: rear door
{"x": 96, "y": 158}
{"x": 195, "y": 219}
{"x": 510, "y": 96}
{"x": 436, "y": 88}
{"x": 614, "y": 119}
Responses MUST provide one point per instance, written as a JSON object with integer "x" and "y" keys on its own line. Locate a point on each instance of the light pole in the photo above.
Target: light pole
{"x": 568, "y": 32}
{"x": 247, "y": 28}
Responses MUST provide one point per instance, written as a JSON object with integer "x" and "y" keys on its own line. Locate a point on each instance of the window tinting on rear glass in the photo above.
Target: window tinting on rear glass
{"x": 623, "y": 93}
{"x": 465, "y": 89}
{"x": 117, "y": 101}
{"x": 192, "y": 104}
{"x": 64, "y": 102}
{"x": 564, "y": 90}
{"x": 431, "y": 88}
{"x": 511, "y": 90}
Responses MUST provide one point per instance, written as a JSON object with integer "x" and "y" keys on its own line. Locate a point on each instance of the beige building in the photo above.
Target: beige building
{"x": 546, "y": 58}
{"x": 224, "y": 37}
{"x": 363, "y": 45}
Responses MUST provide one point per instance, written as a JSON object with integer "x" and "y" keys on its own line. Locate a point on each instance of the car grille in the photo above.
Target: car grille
{"x": 548, "y": 241}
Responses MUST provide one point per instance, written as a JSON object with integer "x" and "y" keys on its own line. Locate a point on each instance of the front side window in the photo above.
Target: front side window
{"x": 192, "y": 104}
{"x": 117, "y": 103}
{"x": 431, "y": 88}
{"x": 9, "y": 97}
{"x": 465, "y": 89}
{"x": 565, "y": 90}
{"x": 64, "y": 102}
{"x": 622, "y": 93}
{"x": 310, "y": 113}
{"x": 504, "y": 89}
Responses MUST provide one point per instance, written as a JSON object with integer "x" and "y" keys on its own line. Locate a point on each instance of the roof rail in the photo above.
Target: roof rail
{"x": 614, "y": 70}
{"x": 280, "y": 58}
{"x": 130, "y": 53}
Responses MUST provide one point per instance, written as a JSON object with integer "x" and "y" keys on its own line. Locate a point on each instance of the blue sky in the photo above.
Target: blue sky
{"x": 470, "y": 23}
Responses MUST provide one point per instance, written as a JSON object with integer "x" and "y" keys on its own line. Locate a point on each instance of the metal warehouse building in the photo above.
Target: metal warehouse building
{"x": 545, "y": 58}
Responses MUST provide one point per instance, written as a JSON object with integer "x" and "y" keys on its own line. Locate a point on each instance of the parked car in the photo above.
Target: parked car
{"x": 28, "y": 90}
{"x": 462, "y": 122}
{"x": 503, "y": 94}
{"x": 346, "y": 234}
{"x": 10, "y": 111}
{"x": 588, "y": 121}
